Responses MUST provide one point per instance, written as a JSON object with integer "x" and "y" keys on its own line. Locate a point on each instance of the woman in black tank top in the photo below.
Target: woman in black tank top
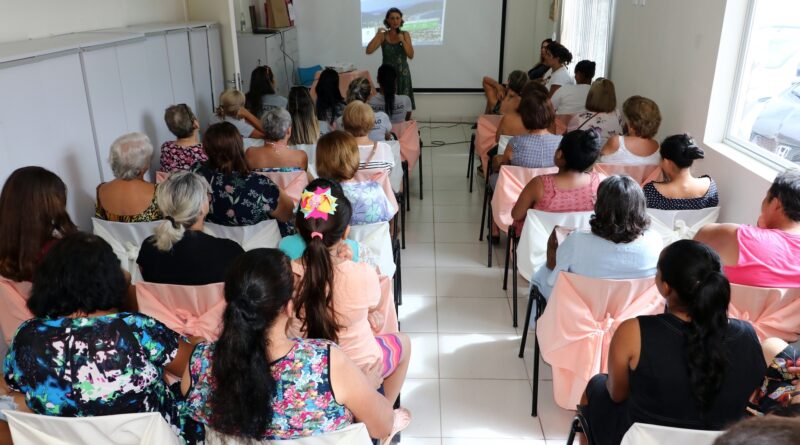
{"x": 691, "y": 367}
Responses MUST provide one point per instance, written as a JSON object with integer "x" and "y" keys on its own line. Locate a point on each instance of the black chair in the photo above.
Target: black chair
{"x": 579, "y": 425}
{"x": 471, "y": 162}
{"x": 511, "y": 252}
{"x": 400, "y": 198}
{"x": 541, "y": 303}
{"x": 486, "y": 213}
{"x": 419, "y": 162}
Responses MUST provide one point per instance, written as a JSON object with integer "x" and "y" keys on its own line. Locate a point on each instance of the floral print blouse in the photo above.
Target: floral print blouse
{"x": 369, "y": 201}
{"x": 176, "y": 158}
{"x": 604, "y": 124}
{"x": 303, "y": 403}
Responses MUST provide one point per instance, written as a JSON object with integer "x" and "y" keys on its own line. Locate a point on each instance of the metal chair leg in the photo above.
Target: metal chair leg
{"x": 514, "y": 244}
{"x": 508, "y": 251}
{"x": 471, "y": 163}
{"x": 527, "y": 325}
{"x": 402, "y": 220}
{"x": 419, "y": 162}
{"x": 489, "y": 235}
{"x": 483, "y": 212}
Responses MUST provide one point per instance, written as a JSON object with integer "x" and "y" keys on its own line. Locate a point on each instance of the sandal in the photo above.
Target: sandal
{"x": 402, "y": 418}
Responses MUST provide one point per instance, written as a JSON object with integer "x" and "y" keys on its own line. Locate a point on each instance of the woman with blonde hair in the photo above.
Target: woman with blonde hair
{"x": 601, "y": 112}
{"x": 231, "y": 109}
{"x": 638, "y": 146}
{"x": 361, "y": 89}
{"x": 305, "y": 126}
{"x": 358, "y": 119}
{"x": 180, "y": 252}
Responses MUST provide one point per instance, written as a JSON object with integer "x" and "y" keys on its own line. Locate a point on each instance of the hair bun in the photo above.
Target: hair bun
{"x": 692, "y": 151}
{"x": 590, "y": 139}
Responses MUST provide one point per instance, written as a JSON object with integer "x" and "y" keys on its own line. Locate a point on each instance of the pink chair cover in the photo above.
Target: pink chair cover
{"x": 292, "y": 183}
{"x": 344, "y": 82}
{"x": 13, "y": 306}
{"x": 187, "y": 310}
{"x": 386, "y": 307}
{"x": 408, "y": 135}
{"x": 381, "y": 177}
{"x": 640, "y": 173}
{"x": 510, "y": 182}
{"x": 575, "y": 330}
{"x": 484, "y": 136}
{"x": 772, "y": 312}
{"x": 161, "y": 176}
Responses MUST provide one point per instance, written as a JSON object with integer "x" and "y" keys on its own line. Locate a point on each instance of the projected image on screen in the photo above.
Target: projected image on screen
{"x": 424, "y": 19}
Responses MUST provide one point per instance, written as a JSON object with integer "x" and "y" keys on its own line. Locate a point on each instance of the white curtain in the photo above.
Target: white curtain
{"x": 585, "y": 29}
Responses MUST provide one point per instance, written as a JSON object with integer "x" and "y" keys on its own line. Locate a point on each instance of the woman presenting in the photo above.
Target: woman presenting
{"x": 397, "y": 49}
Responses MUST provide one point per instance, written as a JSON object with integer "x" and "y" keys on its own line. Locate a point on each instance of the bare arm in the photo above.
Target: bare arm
{"x": 553, "y": 89}
{"x": 405, "y": 37}
{"x": 623, "y": 354}
{"x": 180, "y": 363}
{"x": 376, "y": 41}
{"x": 532, "y": 193}
{"x": 611, "y": 146}
{"x": 352, "y": 389}
{"x": 723, "y": 238}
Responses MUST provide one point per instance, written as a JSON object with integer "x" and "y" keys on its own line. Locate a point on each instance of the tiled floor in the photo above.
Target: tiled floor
{"x": 466, "y": 385}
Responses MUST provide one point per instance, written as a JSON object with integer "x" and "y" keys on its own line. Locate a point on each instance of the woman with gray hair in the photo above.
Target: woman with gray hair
{"x": 361, "y": 89}
{"x": 275, "y": 155}
{"x": 186, "y": 150}
{"x": 128, "y": 198}
{"x": 179, "y": 252}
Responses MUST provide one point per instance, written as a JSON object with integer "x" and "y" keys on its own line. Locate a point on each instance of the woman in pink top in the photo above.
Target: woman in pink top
{"x": 767, "y": 255}
{"x": 572, "y": 189}
{"x": 337, "y": 299}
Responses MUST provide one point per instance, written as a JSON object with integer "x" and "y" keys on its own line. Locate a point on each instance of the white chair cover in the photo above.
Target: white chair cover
{"x": 355, "y": 434}
{"x": 646, "y": 434}
{"x": 396, "y": 175}
{"x": 378, "y": 239}
{"x": 125, "y": 239}
{"x": 502, "y": 143}
{"x": 532, "y": 248}
{"x": 311, "y": 152}
{"x": 121, "y": 429}
{"x": 674, "y": 225}
{"x": 264, "y": 234}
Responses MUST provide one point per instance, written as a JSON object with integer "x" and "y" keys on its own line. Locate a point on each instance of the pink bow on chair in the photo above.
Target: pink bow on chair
{"x": 187, "y": 310}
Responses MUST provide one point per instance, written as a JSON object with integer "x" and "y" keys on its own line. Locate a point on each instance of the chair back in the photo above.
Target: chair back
{"x": 377, "y": 238}
{"x": 119, "y": 429}
{"x": 161, "y": 176}
{"x": 640, "y": 173}
{"x": 484, "y": 136}
{"x": 510, "y": 182}
{"x": 355, "y": 434}
{"x": 264, "y": 234}
{"x": 532, "y": 249}
{"x": 408, "y": 135}
{"x": 188, "y": 310}
{"x": 647, "y": 434}
{"x": 674, "y": 225}
{"x": 381, "y": 177}
{"x": 311, "y": 153}
{"x": 125, "y": 239}
{"x": 581, "y": 316}
{"x": 292, "y": 183}
{"x": 773, "y": 312}
{"x": 502, "y": 143}
{"x": 13, "y": 306}
{"x": 396, "y": 175}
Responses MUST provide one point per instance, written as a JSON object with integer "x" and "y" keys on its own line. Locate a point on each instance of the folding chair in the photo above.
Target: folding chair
{"x": 188, "y": 310}
{"x": 773, "y": 312}
{"x": 674, "y": 225}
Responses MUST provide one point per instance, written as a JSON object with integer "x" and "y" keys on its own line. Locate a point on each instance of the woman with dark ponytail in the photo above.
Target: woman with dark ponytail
{"x": 338, "y": 299}
{"x": 397, "y": 106}
{"x": 691, "y": 367}
{"x": 255, "y": 382}
{"x": 681, "y": 190}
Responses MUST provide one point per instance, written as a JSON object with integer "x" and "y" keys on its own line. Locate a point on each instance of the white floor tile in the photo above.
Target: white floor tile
{"x": 555, "y": 420}
{"x": 456, "y": 198}
{"x": 461, "y": 255}
{"x": 421, "y": 397}
{"x": 419, "y": 232}
{"x": 491, "y": 440}
{"x": 418, "y": 314}
{"x": 419, "y": 255}
{"x": 473, "y": 315}
{"x": 497, "y": 352}
{"x": 420, "y": 440}
{"x": 424, "y": 363}
{"x": 463, "y": 213}
{"x": 451, "y": 182}
{"x": 456, "y": 232}
{"x": 469, "y": 282}
{"x": 419, "y": 213}
{"x": 418, "y": 280}
{"x": 488, "y": 408}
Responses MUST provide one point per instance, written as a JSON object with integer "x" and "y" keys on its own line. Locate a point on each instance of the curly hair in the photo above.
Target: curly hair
{"x": 642, "y": 115}
{"x": 620, "y": 213}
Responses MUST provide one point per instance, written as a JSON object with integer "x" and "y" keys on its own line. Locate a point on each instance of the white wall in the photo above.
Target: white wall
{"x": 668, "y": 51}
{"x": 28, "y": 19}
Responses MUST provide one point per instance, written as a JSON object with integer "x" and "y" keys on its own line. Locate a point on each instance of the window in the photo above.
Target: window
{"x": 765, "y": 113}
{"x": 585, "y": 29}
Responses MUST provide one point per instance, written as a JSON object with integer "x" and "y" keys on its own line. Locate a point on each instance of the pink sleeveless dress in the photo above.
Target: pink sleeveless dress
{"x": 767, "y": 258}
{"x": 558, "y": 200}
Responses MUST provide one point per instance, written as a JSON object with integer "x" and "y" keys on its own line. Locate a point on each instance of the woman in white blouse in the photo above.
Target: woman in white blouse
{"x": 638, "y": 145}
{"x": 557, "y": 57}
{"x": 571, "y": 99}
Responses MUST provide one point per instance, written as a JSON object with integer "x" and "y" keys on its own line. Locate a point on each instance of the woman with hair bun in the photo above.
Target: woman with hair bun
{"x": 691, "y": 367}
{"x": 681, "y": 190}
{"x": 180, "y": 252}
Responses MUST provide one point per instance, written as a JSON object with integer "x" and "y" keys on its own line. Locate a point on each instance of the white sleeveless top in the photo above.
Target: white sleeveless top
{"x": 624, "y": 156}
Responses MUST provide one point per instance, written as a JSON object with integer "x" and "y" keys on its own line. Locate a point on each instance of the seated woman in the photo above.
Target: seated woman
{"x": 779, "y": 392}
{"x": 231, "y": 109}
{"x": 186, "y": 150}
{"x": 557, "y": 57}
{"x": 337, "y": 299}
{"x": 330, "y": 102}
{"x": 601, "y": 112}
{"x": 128, "y": 198}
{"x": 262, "y": 96}
{"x": 511, "y": 124}
{"x": 638, "y": 146}
{"x": 80, "y": 356}
{"x": 41, "y": 196}
{"x": 179, "y": 252}
{"x": 305, "y": 126}
{"x": 501, "y": 98}
{"x": 361, "y": 89}
{"x": 239, "y": 197}
{"x": 338, "y": 159}
{"x": 691, "y": 367}
{"x": 358, "y": 120}
{"x": 572, "y": 189}
{"x": 256, "y": 383}
{"x": 540, "y": 69}
{"x": 571, "y": 99}
{"x": 681, "y": 190}
{"x": 397, "y": 106}
{"x": 274, "y": 155}
{"x": 618, "y": 246}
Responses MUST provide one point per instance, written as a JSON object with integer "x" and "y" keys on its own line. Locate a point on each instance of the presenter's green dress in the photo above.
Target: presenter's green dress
{"x": 395, "y": 55}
